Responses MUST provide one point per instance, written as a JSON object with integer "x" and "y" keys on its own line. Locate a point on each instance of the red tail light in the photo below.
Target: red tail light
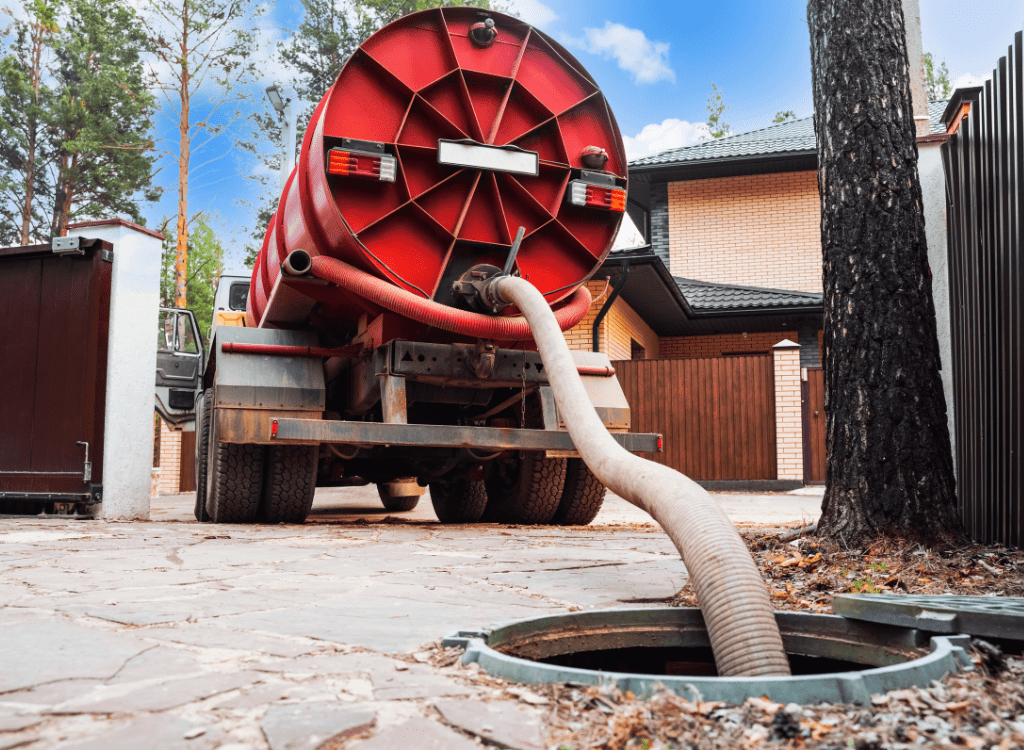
{"x": 582, "y": 193}
{"x": 359, "y": 164}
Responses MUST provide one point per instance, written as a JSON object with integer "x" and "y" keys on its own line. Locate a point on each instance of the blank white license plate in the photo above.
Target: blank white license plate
{"x": 493, "y": 158}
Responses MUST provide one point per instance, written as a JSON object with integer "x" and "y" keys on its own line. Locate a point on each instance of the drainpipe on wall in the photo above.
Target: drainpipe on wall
{"x": 619, "y": 283}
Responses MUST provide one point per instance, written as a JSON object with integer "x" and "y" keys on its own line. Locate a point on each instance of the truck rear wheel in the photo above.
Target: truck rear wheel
{"x": 582, "y": 497}
{"x": 202, "y": 452}
{"x": 462, "y": 500}
{"x": 234, "y": 477}
{"x": 289, "y": 481}
{"x": 527, "y": 490}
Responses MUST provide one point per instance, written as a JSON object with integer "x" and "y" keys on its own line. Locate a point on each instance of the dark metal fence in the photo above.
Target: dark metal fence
{"x": 984, "y": 168}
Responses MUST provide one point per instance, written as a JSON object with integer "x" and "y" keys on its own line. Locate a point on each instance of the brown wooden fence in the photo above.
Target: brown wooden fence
{"x": 717, "y": 414}
{"x": 984, "y": 168}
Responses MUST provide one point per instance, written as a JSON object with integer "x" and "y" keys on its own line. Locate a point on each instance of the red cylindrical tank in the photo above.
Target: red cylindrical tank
{"x": 444, "y": 133}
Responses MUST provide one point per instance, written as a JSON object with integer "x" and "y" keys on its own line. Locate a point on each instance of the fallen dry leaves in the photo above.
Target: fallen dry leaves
{"x": 804, "y": 573}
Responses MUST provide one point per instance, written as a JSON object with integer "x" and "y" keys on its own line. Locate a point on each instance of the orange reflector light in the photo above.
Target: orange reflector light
{"x": 359, "y": 164}
{"x": 597, "y": 196}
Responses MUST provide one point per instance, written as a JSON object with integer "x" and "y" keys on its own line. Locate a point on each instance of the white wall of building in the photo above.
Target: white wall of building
{"x": 933, "y": 189}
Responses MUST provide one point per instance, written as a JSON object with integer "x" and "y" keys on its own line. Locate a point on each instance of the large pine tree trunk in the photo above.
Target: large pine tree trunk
{"x": 889, "y": 464}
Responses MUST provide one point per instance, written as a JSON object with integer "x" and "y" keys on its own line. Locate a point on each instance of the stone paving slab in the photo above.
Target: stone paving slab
{"x": 502, "y": 723}
{"x": 138, "y": 634}
{"x": 417, "y": 734}
{"x": 212, "y": 635}
{"x": 163, "y": 731}
{"x": 310, "y": 725}
{"x": 415, "y": 682}
{"x": 158, "y": 695}
{"x": 49, "y": 650}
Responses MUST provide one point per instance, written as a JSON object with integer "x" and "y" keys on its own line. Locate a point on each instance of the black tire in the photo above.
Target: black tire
{"x": 527, "y": 491}
{"x": 202, "y": 453}
{"x": 460, "y": 501}
{"x": 234, "y": 479}
{"x": 289, "y": 481}
{"x": 397, "y": 504}
{"x": 582, "y": 496}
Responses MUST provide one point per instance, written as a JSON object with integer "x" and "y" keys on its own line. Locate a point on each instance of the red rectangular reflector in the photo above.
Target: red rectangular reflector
{"x": 597, "y": 196}
{"x": 358, "y": 164}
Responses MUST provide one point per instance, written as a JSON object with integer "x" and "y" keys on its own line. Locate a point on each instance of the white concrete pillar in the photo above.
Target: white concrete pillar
{"x": 131, "y": 365}
{"x": 789, "y": 425}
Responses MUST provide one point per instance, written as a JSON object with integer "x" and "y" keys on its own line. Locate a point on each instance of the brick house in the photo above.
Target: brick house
{"x": 733, "y": 260}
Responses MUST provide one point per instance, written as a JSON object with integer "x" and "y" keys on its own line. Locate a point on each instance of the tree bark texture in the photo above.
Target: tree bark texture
{"x": 889, "y": 464}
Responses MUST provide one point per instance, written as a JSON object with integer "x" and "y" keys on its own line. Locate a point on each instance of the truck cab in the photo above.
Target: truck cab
{"x": 229, "y": 302}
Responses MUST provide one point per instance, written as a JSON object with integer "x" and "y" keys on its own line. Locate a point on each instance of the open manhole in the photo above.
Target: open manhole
{"x": 833, "y": 659}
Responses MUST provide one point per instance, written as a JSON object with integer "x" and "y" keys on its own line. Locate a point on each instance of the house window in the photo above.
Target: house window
{"x": 636, "y": 351}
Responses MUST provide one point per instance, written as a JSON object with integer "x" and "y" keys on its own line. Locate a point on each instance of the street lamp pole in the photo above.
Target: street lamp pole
{"x": 287, "y": 109}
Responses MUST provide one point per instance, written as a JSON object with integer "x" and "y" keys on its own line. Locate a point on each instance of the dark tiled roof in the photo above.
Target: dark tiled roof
{"x": 792, "y": 137}
{"x": 704, "y": 297}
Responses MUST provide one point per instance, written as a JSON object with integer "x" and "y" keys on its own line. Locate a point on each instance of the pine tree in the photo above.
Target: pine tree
{"x": 25, "y": 100}
{"x": 197, "y": 43}
{"x": 889, "y": 467}
{"x": 100, "y": 115}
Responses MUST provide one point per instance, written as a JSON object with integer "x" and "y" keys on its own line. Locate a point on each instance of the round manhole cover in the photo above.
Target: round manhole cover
{"x": 833, "y": 659}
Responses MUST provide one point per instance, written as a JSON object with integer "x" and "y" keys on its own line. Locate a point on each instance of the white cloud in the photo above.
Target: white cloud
{"x": 670, "y": 133}
{"x": 534, "y": 12}
{"x": 628, "y": 235}
{"x": 967, "y": 80}
{"x": 646, "y": 60}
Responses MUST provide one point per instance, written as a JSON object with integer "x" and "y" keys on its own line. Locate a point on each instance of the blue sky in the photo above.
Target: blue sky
{"x": 655, "y": 61}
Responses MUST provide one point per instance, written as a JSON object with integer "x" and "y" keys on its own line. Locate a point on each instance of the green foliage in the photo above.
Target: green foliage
{"x": 100, "y": 115}
{"x": 204, "y": 266}
{"x": 784, "y": 116}
{"x": 74, "y": 117}
{"x": 716, "y": 109}
{"x": 25, "y": 147}
{"x": 936, "y": 78}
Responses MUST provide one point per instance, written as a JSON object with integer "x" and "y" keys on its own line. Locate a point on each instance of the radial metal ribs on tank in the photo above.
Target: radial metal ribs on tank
{"x": 443, "y": 134}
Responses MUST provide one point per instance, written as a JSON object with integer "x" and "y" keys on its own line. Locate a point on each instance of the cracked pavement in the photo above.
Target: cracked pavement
{"x": 173, "y": 634}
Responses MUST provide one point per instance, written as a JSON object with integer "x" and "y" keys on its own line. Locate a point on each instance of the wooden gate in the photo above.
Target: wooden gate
{"x": 55, "y": 312}
{"x": 813, "y": 398}
{"x": 717, "y": 415}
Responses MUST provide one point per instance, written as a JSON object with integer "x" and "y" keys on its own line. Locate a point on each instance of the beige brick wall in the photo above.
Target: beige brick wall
{"x": 690, "y": 347}
{"x": 168, "y": 480}
{"x": 789, "y": 440}
{"x": 758, "y": 230}
{"x": 619, "y": 326}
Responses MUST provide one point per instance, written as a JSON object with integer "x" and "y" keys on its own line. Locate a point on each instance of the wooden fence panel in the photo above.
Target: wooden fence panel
{"x": 717, "y": 414}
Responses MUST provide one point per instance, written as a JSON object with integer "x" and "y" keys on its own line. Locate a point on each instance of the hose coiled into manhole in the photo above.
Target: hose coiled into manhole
{"x": 737, "y": 609}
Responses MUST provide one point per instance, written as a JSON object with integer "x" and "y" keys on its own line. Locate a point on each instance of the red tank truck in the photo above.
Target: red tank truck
{"x": 454, "y": 146}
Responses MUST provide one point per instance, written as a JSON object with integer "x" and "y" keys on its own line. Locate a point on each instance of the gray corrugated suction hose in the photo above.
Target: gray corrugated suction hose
{"x": 735, "y": 603}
